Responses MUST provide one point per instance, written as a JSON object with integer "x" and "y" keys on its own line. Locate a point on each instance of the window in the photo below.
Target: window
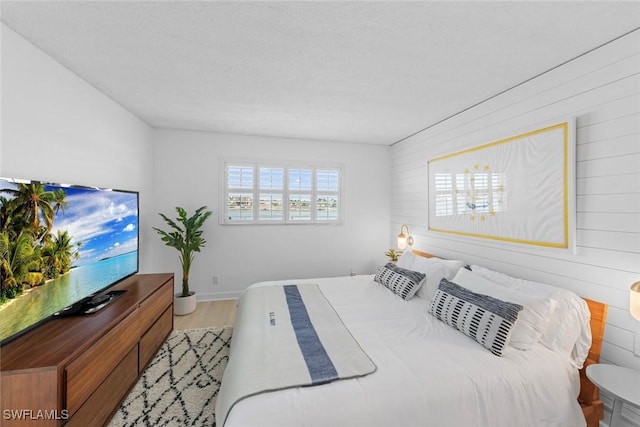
{"x": 284, "y": 194}
{"x": 240, "y": 195}
{"x": 271, "y": 190}
{"x": 327, "y": 195}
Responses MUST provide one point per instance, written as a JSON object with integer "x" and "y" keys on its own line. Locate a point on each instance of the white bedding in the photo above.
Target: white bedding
{"x": 428, "y": 374}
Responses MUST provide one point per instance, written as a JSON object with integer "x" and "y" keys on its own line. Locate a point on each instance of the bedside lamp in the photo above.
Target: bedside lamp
{"x": 404, "y": 239}
{"x": 634, "y": 300}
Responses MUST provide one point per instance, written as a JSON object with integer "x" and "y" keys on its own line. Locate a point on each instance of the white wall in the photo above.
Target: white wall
{"x": 602, "y": 90}
{"x": 58, "y": 128}
{"x": 187, "y": 174}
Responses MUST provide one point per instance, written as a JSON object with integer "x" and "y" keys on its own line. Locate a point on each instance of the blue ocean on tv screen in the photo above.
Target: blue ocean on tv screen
{"x": 103, "y": 226}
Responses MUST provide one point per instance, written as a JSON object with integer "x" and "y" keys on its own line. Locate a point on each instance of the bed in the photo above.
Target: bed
{"x": 415, "y": 368}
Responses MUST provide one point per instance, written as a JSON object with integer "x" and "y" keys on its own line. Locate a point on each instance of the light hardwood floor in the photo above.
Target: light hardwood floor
{"x": 208, "y": 314}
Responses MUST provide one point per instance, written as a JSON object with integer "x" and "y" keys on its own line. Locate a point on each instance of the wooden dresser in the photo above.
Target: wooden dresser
{"x": 76, "y": 370}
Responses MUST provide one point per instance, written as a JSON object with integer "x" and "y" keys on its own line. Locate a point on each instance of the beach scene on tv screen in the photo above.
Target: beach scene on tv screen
{"x": 58, "y": 245}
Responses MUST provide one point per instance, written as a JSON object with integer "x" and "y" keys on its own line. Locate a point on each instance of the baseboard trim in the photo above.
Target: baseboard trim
{"x": 215, "y": 296}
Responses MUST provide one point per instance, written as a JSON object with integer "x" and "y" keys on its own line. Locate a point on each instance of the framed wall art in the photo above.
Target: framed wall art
{"x": 519, "y": 189}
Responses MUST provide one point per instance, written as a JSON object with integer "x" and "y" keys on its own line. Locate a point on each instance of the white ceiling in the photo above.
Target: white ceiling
{"x": 368, "y": 72}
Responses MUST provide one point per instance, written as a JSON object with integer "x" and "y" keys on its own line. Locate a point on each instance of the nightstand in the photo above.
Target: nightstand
{"x": 622, "y": 383}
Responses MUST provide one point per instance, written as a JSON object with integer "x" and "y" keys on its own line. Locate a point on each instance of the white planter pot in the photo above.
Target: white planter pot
{"x": 184, "y": 305}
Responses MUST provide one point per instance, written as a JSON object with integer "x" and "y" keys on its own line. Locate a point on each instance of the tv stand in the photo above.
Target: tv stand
{"x": 75, "y": 370}
{"x": 91, "y": 304}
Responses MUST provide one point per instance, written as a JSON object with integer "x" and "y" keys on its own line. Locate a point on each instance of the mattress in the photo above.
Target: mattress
{"x": 428, "y": 374}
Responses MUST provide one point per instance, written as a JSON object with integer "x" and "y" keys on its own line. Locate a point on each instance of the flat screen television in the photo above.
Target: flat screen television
{"x": 61, "y": 245}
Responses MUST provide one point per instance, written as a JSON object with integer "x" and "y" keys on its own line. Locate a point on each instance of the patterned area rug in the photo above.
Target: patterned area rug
{"x": 181, "y": 384}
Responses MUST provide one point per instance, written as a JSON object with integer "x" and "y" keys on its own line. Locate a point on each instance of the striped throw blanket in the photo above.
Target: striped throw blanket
{"x": 287, "y": 336}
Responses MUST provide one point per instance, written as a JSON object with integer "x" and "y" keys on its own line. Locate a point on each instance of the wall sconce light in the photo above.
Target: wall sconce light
{"x": 634, "y": 300}
{"x": 404, "y": 239}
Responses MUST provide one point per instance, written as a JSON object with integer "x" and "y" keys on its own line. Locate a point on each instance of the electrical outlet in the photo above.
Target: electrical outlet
{"x": 214, "y": 281}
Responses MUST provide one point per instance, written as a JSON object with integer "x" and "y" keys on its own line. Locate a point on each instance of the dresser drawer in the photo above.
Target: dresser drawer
{"x": 31, "y": 389}
{"x": 86, "y": 373}
{"x": 151, "y": 340}
{"x": 155, "y": 305}
{"x": 97, "y": 410}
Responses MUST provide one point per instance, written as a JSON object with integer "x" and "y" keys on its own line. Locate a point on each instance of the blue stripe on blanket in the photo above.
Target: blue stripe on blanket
{"x": 315, "y": 356}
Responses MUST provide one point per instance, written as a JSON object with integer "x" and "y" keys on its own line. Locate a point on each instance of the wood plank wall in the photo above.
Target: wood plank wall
{"x": 601, "y": 89}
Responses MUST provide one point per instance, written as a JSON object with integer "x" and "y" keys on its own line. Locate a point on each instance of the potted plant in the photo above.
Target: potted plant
{"x": 186, "y": 236}
{"x": 393, "y": 255}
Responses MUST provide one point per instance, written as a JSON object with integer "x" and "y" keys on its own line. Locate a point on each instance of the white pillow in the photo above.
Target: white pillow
{"x": 452, "y": 265}
{"x": 571, "y": 332}
{"x": 414, "y": 262}
{"x": 435, "y": 269}
{"x": 435, "y": 273}
{"x": 533, "y": 319}
{"x": 406, "y": 260}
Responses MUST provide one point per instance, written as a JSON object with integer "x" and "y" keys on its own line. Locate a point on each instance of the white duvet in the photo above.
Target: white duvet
{"x": 428, "y": 374}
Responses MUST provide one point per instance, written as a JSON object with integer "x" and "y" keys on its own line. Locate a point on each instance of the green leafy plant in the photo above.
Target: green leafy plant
{"x": 393, "y": 254}
{"x": 185, "y": 236}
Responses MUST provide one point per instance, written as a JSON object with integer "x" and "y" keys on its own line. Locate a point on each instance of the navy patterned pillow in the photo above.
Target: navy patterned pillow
{"x": 402, "y": 282}
{"x": 486, "y": 319}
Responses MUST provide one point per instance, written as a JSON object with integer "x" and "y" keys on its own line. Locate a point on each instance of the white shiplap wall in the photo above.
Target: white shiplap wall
{"x": 601, "y": 89}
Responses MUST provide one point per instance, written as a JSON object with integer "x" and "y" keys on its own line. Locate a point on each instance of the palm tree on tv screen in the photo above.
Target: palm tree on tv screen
{"x": 29, "y": 254}
{"x": 59, "y": 200}
{"x": 31, "y": 202}
{"x": 58, "y": 254}
{"x": 19, "y": 261}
